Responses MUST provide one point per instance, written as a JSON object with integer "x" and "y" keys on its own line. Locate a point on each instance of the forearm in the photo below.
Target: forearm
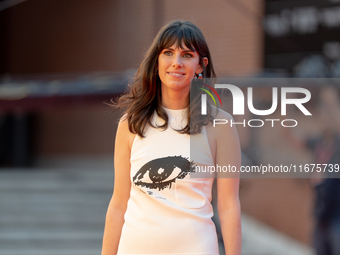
{"x": 230, "y": 220}
{"x": 113, "y": 228}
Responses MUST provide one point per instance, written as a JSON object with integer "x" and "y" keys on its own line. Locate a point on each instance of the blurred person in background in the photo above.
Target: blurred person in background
{"x": 156, "y": 208}
{"x": 326, "y": 150}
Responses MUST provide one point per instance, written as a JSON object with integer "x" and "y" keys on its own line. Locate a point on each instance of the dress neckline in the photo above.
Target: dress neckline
{"x": 177, "y": 118}
{"x": 174, "y": 110}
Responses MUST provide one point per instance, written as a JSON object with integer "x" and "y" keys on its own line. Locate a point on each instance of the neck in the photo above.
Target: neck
{"x": 175, "y": 99}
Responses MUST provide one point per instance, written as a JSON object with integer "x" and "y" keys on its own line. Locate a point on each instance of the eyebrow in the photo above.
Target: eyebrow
{"x": 192, "y": 51}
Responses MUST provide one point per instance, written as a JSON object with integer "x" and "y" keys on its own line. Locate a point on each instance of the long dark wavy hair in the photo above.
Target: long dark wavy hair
{"x": 144, "y": 94}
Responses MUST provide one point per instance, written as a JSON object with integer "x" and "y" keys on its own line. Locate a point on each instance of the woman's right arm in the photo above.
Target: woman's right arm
{"x": 122, "y": 184}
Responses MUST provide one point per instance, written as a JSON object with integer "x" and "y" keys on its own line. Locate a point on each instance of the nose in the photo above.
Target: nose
{"x": 177, "y": 63}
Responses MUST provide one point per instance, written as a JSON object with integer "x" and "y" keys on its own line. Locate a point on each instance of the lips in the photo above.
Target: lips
{"x": 176, "y": 74}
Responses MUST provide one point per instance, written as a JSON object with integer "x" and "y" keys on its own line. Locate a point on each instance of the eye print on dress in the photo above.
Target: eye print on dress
{"x": 162, "y": 172}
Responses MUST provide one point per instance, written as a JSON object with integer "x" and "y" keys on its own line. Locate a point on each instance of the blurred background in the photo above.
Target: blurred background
{"x": 60, "y": 61}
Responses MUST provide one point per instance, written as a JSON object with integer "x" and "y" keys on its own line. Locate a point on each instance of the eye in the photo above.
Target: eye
{"x": 167, "y": 53}
{"x": 162, "y": 172}
{"x": 188, "y": 55}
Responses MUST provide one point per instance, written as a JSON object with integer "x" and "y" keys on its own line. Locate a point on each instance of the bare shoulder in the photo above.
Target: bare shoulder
{"x": 122, "y": 154}
{"x": 221, "y": 119}
{"x": 221, "y": 114}
{"x": 228, "y": 150}
{"x": 123, "y": 132}
{"x": 220, "y": 132}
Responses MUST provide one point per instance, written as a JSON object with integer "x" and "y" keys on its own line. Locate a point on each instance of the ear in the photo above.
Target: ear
{"x": 200, "y": 68}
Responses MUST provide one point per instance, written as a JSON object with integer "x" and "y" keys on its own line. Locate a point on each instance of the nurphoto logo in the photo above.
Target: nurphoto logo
{"x": 238, "y": 104}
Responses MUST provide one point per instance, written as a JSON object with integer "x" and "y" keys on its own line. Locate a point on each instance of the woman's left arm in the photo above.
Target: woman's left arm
{"x": 228, "y": 153}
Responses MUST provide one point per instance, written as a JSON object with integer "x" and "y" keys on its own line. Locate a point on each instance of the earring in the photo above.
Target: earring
{"x": 200, "y": 76}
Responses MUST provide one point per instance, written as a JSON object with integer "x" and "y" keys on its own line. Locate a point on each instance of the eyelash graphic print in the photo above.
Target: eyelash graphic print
{"x": 160, "y": 173}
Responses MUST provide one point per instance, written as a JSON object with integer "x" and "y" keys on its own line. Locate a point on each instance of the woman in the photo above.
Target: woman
{"x": 156, "y": 208}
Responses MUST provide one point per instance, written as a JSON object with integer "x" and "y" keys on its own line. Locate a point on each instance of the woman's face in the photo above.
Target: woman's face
{"x": 177, "y": 67}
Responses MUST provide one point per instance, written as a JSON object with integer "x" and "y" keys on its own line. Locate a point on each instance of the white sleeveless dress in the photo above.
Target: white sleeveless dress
{"x": 168, "y": 212}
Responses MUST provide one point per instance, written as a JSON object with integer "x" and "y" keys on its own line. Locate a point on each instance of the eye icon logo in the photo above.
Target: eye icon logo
{"x": 160, "y": 173}
{"x": 204, "y": 98}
